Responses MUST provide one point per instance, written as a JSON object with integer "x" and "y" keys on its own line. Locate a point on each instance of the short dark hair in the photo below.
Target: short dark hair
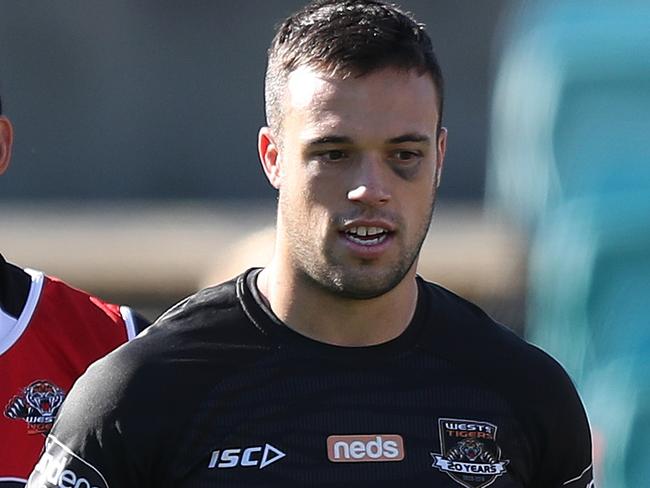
{"x": 347, "y": 38}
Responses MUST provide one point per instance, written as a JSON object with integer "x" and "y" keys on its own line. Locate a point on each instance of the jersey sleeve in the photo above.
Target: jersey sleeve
{"x": 99, "y": 437}
{"x": 567, "y": 462}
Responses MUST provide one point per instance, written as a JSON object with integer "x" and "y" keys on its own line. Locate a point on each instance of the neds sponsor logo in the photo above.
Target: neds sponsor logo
{"x": 59, "y": 467}
{"x": 365, "y": 448}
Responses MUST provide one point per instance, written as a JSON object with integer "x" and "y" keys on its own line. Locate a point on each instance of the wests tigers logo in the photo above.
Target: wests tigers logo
{"x": 469, "y": 453}
{"x": 37, "y": 405}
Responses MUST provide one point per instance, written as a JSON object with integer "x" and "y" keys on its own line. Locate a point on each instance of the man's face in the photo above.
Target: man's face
{"x": 357, "y": 169}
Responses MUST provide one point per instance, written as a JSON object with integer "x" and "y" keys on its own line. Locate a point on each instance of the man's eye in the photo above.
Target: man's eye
{"x": 334, "y": 155}
{"x": 406, "y": 156}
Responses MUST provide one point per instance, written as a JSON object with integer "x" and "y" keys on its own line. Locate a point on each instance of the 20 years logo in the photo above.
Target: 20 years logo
{"x": 469, "y": 453}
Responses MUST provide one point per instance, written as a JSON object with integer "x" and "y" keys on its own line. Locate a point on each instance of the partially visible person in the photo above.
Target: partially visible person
{"x": 49, "y": 333}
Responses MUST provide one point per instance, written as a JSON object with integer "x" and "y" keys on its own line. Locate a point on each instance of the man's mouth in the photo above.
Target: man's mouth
{"x": 366, "y": 236}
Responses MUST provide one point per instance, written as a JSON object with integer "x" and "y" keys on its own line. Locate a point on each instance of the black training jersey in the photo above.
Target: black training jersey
{"x": 220, "y": 393}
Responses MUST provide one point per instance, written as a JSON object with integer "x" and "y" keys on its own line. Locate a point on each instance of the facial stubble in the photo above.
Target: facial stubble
{"x": 317, "y": 266}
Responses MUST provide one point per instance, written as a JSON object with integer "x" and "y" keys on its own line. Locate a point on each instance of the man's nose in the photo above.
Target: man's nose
{"x": 371, "y": 184}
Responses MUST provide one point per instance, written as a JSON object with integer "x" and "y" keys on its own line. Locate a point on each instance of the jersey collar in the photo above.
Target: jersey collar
{"x": 15, "y": 284}
{"x": 269, "y": 324}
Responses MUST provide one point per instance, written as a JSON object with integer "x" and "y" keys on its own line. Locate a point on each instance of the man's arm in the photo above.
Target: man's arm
{"x": 568, "y": 458}
{"x": 99, "y": 435}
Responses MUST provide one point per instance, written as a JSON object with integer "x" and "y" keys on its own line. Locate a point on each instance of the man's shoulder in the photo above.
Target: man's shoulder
{"x": 472, "y": 337}
{"x": 40, "y": 305}
{"x": 203, "y": 307}
{"x": 86, "y": 311}
{"x": 198, "y": 342}
{"x": 214, "y": 314}
{"x": 67, "y": 298}
{"x": 466, "y": 317}
{"x": 208, "y": 329}
{"x": 487, "y": 360}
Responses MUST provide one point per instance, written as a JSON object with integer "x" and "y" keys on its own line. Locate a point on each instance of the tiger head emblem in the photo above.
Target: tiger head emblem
{"x": 471, "y": 449}
{"x": 44, "y": 397}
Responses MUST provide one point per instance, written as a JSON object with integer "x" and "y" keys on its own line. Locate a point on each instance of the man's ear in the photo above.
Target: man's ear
{"x": 441, "y": 148}
{"x": 6, "y": 140}
{"x": 269, "y": 152}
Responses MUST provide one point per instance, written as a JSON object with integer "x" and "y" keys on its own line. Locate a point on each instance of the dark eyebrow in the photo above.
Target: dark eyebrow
{"x": 413, "y": 137}
{"x": 330, "y": 140}
{"x": 410, "y": 138}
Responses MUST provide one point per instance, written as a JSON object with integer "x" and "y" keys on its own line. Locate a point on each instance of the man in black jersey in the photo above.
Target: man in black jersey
{"x": 335, "y": 365}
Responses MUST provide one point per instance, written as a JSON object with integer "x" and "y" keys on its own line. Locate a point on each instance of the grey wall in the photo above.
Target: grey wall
{"x": 161, "y": 99}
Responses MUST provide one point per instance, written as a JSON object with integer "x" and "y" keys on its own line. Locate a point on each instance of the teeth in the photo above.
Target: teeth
{"x": 366, "y": 231}
{"x": 367, "y": 242}
{"x": 367, "y": 236}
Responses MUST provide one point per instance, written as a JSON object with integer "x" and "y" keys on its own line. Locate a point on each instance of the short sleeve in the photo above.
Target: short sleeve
{"x": 92, "y": 443}
{"x": 567, "y": 462}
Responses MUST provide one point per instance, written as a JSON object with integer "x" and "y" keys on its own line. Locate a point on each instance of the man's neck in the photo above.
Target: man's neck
{"x": 323, "y": 316}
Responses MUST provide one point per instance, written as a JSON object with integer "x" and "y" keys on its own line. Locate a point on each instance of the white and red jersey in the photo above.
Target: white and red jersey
{"x": 50, "y": 333}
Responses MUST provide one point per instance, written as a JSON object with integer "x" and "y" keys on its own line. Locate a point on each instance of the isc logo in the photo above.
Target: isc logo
{"x": 260, "y": 456}
{"x": 365, "y": 448}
